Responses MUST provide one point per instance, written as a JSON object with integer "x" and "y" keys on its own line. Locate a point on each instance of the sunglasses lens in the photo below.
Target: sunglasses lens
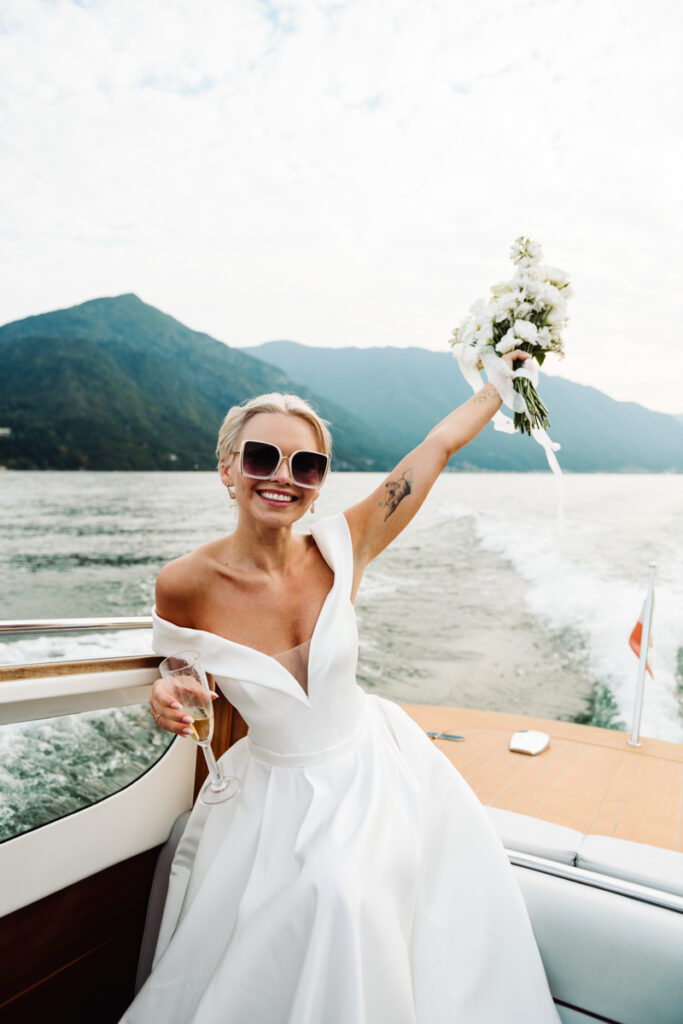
{"x": 308, "y": 468}
{"x": 259, "y": 459}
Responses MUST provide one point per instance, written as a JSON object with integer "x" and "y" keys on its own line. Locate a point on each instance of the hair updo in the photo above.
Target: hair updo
{"x": 292, "y": 405}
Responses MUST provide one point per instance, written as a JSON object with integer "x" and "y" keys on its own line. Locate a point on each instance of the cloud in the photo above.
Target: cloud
{"x": 349, "y": 173}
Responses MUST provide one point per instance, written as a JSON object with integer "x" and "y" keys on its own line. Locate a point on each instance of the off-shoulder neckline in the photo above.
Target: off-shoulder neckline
{"x": 254, "y": 650}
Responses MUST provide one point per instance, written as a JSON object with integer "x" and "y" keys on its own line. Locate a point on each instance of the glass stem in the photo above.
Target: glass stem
{"x": 217, "y": 781}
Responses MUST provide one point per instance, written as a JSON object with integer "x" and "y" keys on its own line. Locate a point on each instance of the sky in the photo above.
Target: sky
{"x": 351, "y": 172}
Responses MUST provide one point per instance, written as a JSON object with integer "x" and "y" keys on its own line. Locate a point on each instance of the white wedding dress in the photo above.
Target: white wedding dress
{"x": 355, "y": 879}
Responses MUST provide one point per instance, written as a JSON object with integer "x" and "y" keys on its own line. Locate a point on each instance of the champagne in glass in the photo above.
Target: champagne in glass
{"x": 186, "y": 681}
{"x": 201, "y": 725}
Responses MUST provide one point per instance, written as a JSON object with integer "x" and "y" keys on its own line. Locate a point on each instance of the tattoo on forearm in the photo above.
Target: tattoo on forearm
{"x": 396, "y": 491}
{"x": 486, "y": 394}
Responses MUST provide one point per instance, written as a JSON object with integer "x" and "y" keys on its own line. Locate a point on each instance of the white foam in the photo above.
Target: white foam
{"x": 575, "y": 581}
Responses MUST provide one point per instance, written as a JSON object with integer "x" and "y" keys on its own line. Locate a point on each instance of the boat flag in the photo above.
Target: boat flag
{"x": 636, "y": 637}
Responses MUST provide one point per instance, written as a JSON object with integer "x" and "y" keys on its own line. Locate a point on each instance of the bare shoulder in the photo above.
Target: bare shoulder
{"x": 178, "y": 585}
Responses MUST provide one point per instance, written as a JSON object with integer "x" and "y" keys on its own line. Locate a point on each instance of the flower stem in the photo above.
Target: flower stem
{"x": 538, "y": 414}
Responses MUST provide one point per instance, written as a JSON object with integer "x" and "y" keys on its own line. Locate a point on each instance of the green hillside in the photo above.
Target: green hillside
{"x": 116, "y": 384}
{"x": 409, "y": 390}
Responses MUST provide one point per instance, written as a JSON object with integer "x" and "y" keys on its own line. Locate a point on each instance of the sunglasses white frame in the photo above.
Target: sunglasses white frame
{"x": 283, "y": 458}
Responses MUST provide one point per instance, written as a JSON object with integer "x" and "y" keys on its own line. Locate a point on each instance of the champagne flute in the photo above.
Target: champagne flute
{"x": 186, "y": 681}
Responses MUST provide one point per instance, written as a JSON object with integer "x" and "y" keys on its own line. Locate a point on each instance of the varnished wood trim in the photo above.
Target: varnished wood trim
{"x": 41, "y": 670}
{"x": 64, "y": 967}
{"x": 77, "y": 950}
{"x": 229, "y": 726}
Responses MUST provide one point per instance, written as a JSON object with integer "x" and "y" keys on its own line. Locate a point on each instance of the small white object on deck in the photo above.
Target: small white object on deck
{"x": 529, "y": 741}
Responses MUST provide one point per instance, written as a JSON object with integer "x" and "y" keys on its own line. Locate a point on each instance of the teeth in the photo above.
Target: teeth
{"x": 274, "y": 496}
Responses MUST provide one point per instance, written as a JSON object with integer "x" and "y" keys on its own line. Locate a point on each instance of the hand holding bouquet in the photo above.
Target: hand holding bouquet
{"x": 528, "y": 312}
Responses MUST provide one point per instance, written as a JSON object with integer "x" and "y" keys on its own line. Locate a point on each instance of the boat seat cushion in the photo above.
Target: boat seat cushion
{"x": 607, "y": 957}
{"x": 635, "y": 862}
{"x": 157, "y": 899}
{"x": 540, "y": 838}
{"x": 618, "y": 858}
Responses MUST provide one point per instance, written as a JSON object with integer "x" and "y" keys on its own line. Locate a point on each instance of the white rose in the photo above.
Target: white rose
{"x": 543, "y": 338}
{"x": 525, "y": 330}
{"x": 502, "y": 310}
{"x": 469, "y": 356}
{"x": 556, "y": 276}
{"x": 556, "y": 314}
{"x": 482, "y": 318}
{"x": 465, "y": 332}
{"x": 550, "y": 294}
{"x": 507, "y": 343}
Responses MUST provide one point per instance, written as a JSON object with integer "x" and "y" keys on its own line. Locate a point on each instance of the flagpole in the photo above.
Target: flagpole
{"x": 642, "y": 661}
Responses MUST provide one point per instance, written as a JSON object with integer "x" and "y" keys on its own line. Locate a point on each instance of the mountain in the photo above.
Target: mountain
{"x": 407, "y": 391}
{"x": 116, "y": 384}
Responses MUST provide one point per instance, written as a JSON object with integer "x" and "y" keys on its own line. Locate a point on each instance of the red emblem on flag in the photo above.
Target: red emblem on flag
{"x": 636, "y": 638}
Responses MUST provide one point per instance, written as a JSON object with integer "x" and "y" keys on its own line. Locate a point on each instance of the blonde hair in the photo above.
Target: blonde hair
{"x": 292, "y": 405}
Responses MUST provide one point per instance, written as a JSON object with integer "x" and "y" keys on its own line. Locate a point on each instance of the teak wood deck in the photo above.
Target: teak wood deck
{"x": 588, "y": 779}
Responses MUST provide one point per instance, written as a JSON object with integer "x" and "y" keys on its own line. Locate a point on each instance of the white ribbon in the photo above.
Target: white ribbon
{"x": 502, "y": 376}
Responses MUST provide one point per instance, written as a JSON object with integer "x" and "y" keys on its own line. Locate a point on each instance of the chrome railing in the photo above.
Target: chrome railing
{"x": 597, "y": 880}
{"x": 18, "y": 627}
{"x": 58, "y": 687}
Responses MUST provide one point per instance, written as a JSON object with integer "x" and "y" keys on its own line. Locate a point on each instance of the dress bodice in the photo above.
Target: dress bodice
{"x": 355, "y": 877}
{"x": 284, "y": 721}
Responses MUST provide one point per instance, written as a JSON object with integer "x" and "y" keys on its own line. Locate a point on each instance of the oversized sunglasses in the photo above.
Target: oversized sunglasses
{"x": 261, "y": 460}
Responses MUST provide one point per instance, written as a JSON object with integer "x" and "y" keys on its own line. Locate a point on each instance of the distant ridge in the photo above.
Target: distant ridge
{"x": 116, "y": 384}
{"x": 408, "y": 390}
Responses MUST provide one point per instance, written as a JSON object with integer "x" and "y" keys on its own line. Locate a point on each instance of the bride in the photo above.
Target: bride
{"x": 355, "y": 879}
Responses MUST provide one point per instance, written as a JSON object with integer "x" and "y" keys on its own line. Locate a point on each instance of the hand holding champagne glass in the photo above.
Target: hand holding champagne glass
{"x": 186, "y": 682}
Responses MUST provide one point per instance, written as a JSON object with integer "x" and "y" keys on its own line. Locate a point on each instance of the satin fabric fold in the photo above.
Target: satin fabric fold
{"x": 355, "y": 879}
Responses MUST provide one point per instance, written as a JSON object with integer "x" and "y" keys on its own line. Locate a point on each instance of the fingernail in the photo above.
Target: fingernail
{"x": 176, "y": 705}
{"x": 186, "y": 718}
{"x": 186, "y": 732}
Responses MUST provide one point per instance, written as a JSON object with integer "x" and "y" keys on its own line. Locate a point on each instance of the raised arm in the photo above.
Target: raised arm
{"x": 379, "y": 518}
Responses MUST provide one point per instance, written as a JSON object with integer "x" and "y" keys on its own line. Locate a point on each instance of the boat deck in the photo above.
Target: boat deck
{"x": 588, "y": 779}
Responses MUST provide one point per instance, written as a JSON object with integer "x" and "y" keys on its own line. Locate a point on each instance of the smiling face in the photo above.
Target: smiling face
{"x": 278, "y": 501}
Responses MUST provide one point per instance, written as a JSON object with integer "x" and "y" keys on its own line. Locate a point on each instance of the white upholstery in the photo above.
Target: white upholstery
{"x": 605, "y": 954}
{"x": 636, "y": 862}
{"x": 619, "y": 858}
{"x": 531, "y": 835}
{"x": 608, "y": 955}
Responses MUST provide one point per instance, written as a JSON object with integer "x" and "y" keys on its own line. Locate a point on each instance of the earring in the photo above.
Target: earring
{"x": 231, "y": 492}
{"x": 312, "y": 508}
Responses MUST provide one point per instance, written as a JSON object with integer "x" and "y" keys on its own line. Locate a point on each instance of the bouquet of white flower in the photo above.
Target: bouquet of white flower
{"x": 529, "y": 313}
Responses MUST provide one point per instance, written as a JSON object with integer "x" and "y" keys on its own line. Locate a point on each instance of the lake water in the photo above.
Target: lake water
{"x": 488, "y": 599}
